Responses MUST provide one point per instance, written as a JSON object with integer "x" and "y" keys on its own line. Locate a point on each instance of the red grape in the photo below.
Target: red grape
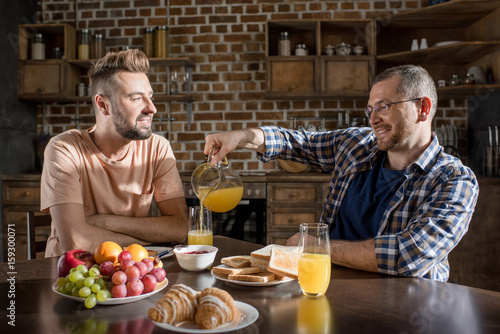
{"x": 127, "y": 264}
{"x": 125, "y": 255}
{"x": 135, "y": 288}
{"x": 159, "y": 274}
{"x": 107, "y": 268}
{"x": 133, "y": 273}
{"x": 149, "y": 263}
{"x": 119, "y": 277}
{"x": 119, "y": 291}
{"x": 143, "y": 268}
{"x": 149, "y": 282}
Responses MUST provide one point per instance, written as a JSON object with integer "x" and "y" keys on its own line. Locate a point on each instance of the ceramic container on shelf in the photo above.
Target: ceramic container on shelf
{"x": 358, "y": 50}
{"x": 329, "y": 50}
{"x": 343, "y": 49}
{"x": 478, "y": 73}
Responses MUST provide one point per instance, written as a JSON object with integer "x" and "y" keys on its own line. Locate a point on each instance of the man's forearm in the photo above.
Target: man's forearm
{"x": 354, "y": 254}
{"x": 139, "y": 227}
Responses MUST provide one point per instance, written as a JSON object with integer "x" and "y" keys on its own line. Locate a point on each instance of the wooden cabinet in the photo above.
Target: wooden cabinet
{"x": 320, "y": 76}
{"x": 459, "y": 33}
{"x": 291, "y": 204}
{"x": 55, "y": 80}
{"x": 20, "y": 194}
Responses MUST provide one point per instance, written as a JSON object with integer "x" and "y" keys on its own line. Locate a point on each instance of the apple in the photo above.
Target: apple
{"x": 71, "y": 259}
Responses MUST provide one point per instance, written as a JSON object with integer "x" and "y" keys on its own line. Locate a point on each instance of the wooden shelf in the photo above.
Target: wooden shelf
{"x": 180, "y": 61}
{"x": 86, "y": 99}
{"x": 465, "y": 91}
{"x": 458, "y": 53}
{"x": 453, "y": 14}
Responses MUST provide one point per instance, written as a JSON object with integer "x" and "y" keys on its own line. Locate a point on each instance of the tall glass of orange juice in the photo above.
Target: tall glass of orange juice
{"x": 314, "y": 259}
{"x": 200, "y": 226}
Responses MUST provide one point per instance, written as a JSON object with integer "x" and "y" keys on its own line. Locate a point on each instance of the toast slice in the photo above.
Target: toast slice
{"x": 265, "y": 252}
{"x": 285, "y": 262}
{"x": 261, "y": 277}
{"x": 226, "y": 270}
{"x": 240, "y": 261}
{"x": 263, "y": 264}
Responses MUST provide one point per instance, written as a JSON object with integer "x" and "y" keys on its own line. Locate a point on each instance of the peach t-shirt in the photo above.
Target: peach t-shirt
{"x": 75, "y": 171}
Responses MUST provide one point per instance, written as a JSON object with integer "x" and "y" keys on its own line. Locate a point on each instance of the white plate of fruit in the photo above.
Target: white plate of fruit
{"x": 110, "y": 276}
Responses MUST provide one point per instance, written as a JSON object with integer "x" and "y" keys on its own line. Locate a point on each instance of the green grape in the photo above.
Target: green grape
{"x": 75, "y": 276}
{"x": 75, "y": 292}
{"x": 83, "y": 268}
{"x": 101, "y": 282}
{"x": 80, "y": 283}
{"x": 94, "y": 272}
{"x": 61, "y": 281}
{"x": 95, "y": 288}
{"x": 70, "y": 286}
{"x": 62, "y": 290}
{"x": 90, "y": 301}
{"x": 72, "y": 270}
{"x": 95, "y": 266}
{"x": 108, "y": 292}
{"x": 85, "y": 291}
{"x": 89, "y": 281}
{"x": 102, "y": 295}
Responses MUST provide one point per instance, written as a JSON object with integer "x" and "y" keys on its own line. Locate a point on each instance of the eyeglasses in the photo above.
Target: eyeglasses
{"x": 383, "y": 107}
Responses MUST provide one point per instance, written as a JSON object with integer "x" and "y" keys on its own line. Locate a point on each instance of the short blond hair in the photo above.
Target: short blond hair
{"x": 102, "y": 73}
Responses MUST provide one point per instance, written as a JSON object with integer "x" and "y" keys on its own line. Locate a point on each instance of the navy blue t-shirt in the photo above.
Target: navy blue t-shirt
{"x": 366, "y": 200}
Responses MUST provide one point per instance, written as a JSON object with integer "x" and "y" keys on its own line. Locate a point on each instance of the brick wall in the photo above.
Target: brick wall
{"x": 225, "y": 39}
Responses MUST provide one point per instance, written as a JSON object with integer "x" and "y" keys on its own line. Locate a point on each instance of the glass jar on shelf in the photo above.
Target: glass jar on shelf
{"x": 161, "y": 42}
{"x": 301, "y": 50}
{"x": 99, "y": 47}
{"x": 455, "y": 80}
{"x": 148, "y": 42}
{"x": 84, "y": 44}
{"x": 38, "y": 47}
{"x": 284, "y": 44}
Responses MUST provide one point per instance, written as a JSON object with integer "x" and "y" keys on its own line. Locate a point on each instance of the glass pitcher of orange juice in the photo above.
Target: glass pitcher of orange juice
{"x": 218, "y": 187}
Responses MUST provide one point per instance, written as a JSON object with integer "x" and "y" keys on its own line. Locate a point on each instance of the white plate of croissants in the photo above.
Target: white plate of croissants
{"x": 212, "y": 310}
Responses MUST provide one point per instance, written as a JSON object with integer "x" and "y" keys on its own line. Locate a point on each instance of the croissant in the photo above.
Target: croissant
{"x": 216, "y": 307}
{"x": 179, "y": 304}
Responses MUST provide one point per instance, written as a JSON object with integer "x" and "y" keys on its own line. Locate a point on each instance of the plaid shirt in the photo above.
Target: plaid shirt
{"x": 426, "y": 217}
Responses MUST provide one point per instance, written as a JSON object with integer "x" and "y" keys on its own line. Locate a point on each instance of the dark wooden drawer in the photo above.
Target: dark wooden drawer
{"x": 21, "y": 193}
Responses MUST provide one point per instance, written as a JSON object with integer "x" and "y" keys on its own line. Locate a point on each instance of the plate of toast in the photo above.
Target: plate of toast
{"x": 270, "y": 265}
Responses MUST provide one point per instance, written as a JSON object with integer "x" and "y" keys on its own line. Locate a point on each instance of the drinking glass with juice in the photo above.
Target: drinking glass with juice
{"x": 200, "y": 226}
{"x": 314, "y": 259}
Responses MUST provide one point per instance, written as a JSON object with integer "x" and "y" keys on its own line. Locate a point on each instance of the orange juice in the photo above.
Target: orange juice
{"x": 221, "y": 200}
{"x": 314, "y": 316}
{"x": 314, "y": 273}
{"x": 200, "y": 237}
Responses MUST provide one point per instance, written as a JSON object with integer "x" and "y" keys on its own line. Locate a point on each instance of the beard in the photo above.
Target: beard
{"x": 402, "y": 131}
{"x": 127, "y": 130}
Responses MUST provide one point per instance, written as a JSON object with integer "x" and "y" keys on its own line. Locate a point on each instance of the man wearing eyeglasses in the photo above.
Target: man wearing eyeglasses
{"x": 397, "y": 204}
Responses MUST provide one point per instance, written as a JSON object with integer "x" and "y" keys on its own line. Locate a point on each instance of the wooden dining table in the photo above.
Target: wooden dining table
{"x": 356, "y": 302}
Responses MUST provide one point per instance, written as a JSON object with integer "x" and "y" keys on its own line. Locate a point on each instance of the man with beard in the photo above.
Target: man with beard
{"x": 397, "y": 204}
{"x": 99, "y": 183}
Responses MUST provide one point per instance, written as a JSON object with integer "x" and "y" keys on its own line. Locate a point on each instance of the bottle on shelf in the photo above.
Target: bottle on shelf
{"x": 84, "y": 44}
{"x": 38, "y": 47}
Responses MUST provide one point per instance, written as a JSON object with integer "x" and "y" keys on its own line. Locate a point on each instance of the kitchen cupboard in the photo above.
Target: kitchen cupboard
{"x": 55, "y": 80}
{"x": 459, "y": 33}
{"x": 290, "y": 204}
{"x": 317, "y": 75}
{"x": 20, "y": 194}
